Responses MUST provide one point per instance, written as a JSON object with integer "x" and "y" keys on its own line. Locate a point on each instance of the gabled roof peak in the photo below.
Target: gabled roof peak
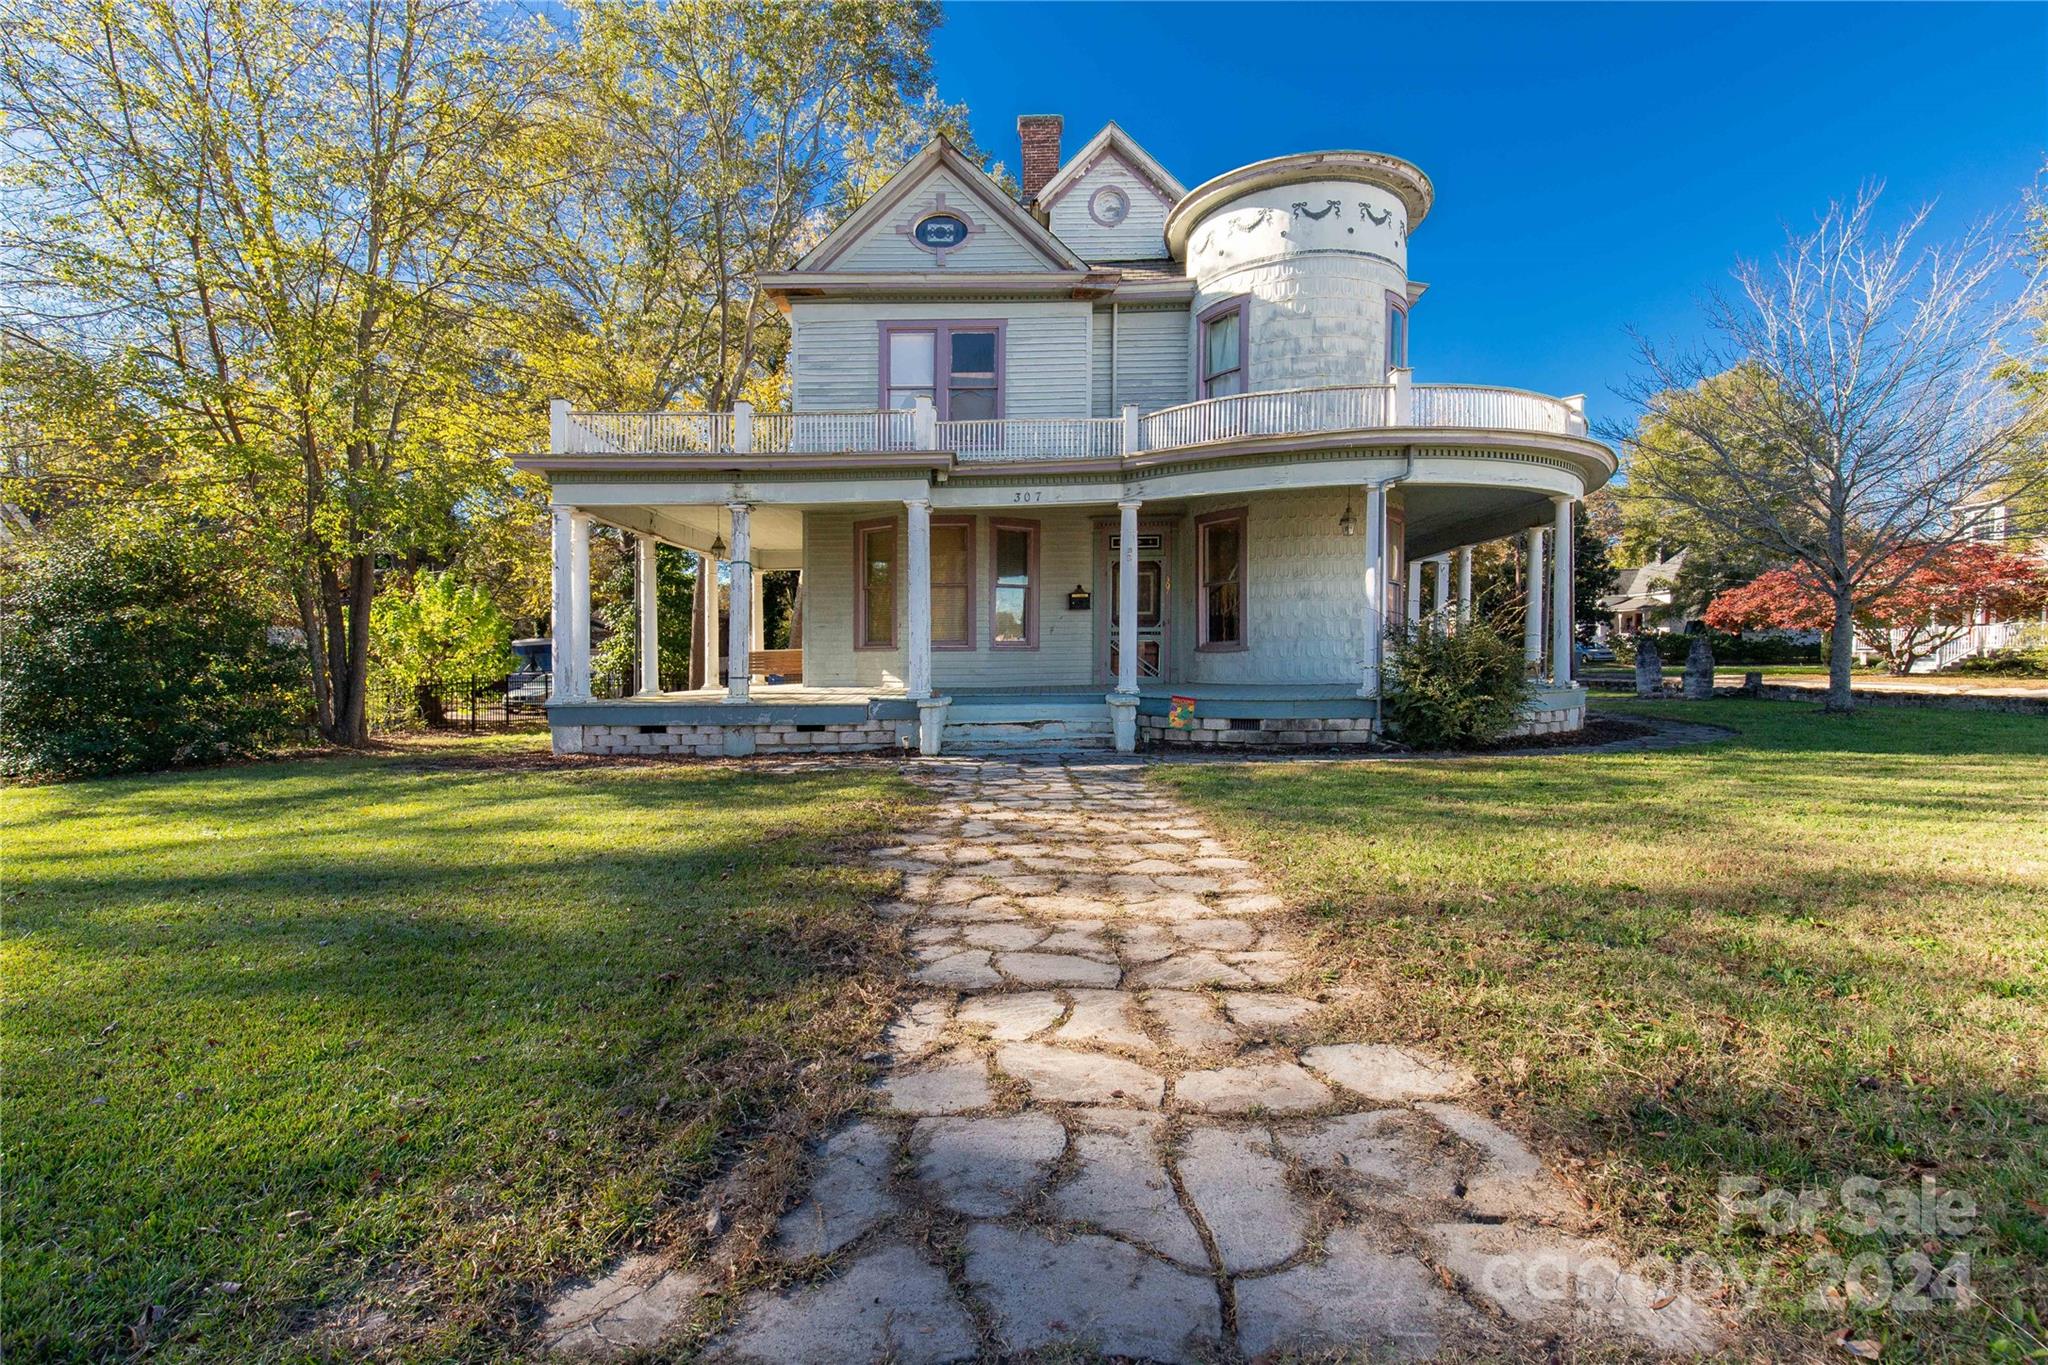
{"x": 934, "y": 155}
{"x": 1112, "y": 140}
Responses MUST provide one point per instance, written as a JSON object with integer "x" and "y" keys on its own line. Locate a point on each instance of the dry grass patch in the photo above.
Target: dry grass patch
{"x": 1815, "y": 951}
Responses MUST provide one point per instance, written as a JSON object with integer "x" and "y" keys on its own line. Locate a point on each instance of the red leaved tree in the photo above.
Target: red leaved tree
{"x": 1932, "y": 604}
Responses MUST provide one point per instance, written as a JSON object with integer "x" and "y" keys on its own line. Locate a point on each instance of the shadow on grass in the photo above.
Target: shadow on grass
{"x": 303, "y": 1027}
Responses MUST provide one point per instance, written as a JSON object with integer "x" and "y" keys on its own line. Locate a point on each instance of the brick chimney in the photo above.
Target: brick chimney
{"x": 1040, "y": 134}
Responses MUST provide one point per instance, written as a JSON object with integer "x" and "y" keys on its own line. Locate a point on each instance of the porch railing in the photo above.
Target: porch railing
{"x": 1289, "y": 412}
{"x": 1033, "y": 438}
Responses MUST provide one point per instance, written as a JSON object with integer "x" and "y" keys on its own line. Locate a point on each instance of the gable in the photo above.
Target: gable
{"x": 883, "y": 235}
{"x": 992, "y": 243}
{"x": 1111, "y": 212}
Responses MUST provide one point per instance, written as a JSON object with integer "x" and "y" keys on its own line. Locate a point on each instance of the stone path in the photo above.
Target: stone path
{"x": 1105, "y": 1128}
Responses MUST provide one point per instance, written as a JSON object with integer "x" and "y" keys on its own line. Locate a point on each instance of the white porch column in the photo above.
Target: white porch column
{"x": 1414, "y": 591}
{"x": 917, "y": 664}
{"x": 1375, "y": 589}
{"x": 1127, "y": 598}
{"x": 704, "y": 636}
{"x": 1561, "y": 596}
{"x": 644, "y": 608}
{"x": 563, "y": 615}
{"x": 1440, "y": 585}
{"x": 739, "y": 668}
{"x": 1532, "y": 596}
{"x": 758, "y": 616}
{"x": 1465, "y": 583}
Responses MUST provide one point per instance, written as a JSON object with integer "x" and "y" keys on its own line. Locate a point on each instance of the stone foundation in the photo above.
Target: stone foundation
{"x": 736, "y": 741}
{"x": 1552, "y": 722}
{"x": 1289, "y": 731}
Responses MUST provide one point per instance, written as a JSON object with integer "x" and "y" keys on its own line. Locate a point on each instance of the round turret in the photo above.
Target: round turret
{"x": 1315, "y": 245}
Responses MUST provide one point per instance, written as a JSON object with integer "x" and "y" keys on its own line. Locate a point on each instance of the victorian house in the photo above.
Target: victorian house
{"x": 1121, "y": 464}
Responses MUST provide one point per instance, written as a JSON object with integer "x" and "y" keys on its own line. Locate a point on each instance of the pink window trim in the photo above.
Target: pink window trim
{"x": 942, "y": 333}
{"x": 861, "y": 531}
{"x": 1397, "y": 303}
{"x": 969, "y": 642}
{"x": 1241, "y": 305}
{"x": 1244, "y": 597}
{"x": 1033, "y": 587}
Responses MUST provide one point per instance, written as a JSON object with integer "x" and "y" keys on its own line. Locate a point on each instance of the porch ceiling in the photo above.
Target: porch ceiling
{"x": 1444, "y": 517}
{"x": 776, "y": 531}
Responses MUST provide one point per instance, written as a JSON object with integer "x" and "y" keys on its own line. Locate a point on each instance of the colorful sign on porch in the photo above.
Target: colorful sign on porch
{"x": 1181, "y": 716}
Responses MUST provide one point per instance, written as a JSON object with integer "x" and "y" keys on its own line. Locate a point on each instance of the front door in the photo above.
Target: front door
{"x": 1154, "y": 613}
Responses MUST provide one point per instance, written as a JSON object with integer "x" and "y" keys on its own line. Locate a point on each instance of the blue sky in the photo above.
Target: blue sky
{"x": 1597, "y": 167}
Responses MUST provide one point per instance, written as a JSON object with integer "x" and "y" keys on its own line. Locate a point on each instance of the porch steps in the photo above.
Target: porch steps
{"x": 1036, "y": 723}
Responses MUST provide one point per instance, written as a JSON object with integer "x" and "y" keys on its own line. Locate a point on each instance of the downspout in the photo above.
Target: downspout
{"x": 1115, "y": 359}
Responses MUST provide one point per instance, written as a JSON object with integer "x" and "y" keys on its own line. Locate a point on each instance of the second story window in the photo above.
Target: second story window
{"x": 1397, "y": 332}
{"x": 1222, "y": 342}
{"x": 959, "y": 366}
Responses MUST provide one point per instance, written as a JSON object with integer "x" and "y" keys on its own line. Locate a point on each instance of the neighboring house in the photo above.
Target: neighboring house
{"x": 1641, "y": 602}
{"x": 1990, "y": 522}
{"x": 1122, "y": 463}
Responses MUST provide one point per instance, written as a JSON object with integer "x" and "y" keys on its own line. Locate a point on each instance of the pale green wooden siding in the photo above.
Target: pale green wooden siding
{"x": 996, "y": 246}
{"x": 1066, "y": 639}
{"x": 1152, "y": 357}
{"x": 1141, "y": 236}
{"x": 837, "y": 352}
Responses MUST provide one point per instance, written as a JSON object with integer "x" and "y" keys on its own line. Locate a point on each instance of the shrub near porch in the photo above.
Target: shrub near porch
{"x": 1814, "y": 951}
{"x": 293, "y": 1041}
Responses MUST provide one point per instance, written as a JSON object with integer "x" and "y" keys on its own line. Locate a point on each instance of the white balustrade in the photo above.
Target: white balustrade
{"x": 1287, "y": 412}
{"x": 1033, "y": 438}
{"x": 1484, "y": 408}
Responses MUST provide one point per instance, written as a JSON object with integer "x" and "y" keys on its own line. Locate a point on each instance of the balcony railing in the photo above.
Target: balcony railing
{"x": 1289, "y": 412}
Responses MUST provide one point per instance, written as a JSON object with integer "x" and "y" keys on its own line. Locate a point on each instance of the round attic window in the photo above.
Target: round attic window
{"x": 1109, "y": 206}
{"x": 940, "y": 232}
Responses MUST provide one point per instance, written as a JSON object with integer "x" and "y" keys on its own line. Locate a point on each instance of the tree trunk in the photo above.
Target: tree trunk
{"x": 1841, "y": 654}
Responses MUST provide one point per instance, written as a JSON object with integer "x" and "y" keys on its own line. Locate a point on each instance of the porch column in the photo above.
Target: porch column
{"x": 704, "y": 627}
{"x": 645, "y": 552}
{"x": 571, "y": 541}
{"x": 1440, "y": 585}
{"x": 1465, "y": 583}
{"x": 739, "y": 668}
{"x": 1127, "y": 598}
{"x": 917, "y": 666}
{"x": 1375, "y": 588}
{"x": 759, "y": 615}
{"x": 1532, "y": 597}
{"x": 1561, "y": 596}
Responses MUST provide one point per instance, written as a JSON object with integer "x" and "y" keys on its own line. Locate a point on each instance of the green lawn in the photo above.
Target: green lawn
{"x": 415, "y": 1033}
{"x": 1814, "y": 951}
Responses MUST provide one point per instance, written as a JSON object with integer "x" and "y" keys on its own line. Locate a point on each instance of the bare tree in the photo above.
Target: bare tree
{"x": 1848, "y": 420}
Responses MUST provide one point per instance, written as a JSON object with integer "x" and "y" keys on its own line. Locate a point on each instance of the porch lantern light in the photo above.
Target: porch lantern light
{"x": 717, "y": 540}
{"x": 1347, "y": 523}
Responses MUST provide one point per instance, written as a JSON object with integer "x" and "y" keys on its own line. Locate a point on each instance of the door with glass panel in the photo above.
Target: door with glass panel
{"x": 1154, "y": 618}
{"x": 958, "y": 366}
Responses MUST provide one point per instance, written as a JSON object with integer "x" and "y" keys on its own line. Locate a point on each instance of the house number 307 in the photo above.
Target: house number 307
{"x": 1032, "y": 495}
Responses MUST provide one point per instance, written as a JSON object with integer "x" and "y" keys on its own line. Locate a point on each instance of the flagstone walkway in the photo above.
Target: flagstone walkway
{"x": 1105, "y": 1127}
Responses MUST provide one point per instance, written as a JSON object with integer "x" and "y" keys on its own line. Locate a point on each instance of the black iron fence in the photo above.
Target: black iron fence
{"x": 474, "y": 704}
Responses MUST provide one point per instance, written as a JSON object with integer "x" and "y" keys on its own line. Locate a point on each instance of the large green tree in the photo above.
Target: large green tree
{"x": 711, "y": 140}
{"x": 291, "y": 220}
